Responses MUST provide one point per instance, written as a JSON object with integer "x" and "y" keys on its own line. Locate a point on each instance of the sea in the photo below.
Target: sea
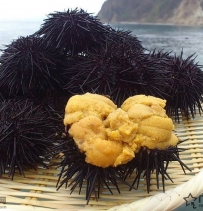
{"x": 169, "y": 38}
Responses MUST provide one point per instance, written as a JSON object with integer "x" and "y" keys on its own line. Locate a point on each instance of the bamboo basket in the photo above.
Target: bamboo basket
{"x": 37, "y": 191}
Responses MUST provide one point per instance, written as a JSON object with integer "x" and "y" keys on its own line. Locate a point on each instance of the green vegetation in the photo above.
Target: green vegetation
{"x": 137, "y": 10}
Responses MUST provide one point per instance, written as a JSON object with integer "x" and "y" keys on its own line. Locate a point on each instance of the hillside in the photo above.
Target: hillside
{"x": 188, "y": 12}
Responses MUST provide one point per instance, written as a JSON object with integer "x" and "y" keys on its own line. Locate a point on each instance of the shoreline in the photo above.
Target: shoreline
{"x": 158, "y": 24}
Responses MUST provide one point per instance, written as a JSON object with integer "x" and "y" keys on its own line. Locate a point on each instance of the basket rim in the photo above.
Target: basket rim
{"x": 169, "y": 200}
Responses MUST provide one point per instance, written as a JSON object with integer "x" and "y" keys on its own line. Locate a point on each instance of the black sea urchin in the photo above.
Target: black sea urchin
{"x": 147, "y": 161}
{"x": 28, "y": 67}
{"x": 76, "y": 173}
{"x": 119, "y": 69}
{"x": 183, "y": 84}
{"x": 72, "y": 31}
{"x": 54, "y": 104}
{"x": 25, "y": 136}
{"x": 127, "y": 43}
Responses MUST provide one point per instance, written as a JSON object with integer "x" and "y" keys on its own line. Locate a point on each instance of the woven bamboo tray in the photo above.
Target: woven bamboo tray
{"x": 37, "y": 191}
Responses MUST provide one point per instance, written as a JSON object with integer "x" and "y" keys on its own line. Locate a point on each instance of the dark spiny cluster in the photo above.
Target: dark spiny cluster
{"x": 148, "y": 161}
{"x": 76, "y": 173}
{"x": 25, "y": 136}
{"x": 54, "y": 104}
{"x": 127, "y": 44}
{"x": 73, "y": 31}
{"x": 119, "y": 69}
{"x": 74, "y": 52}
{"x": 183, "y": 84}
{"x": 28, "y": 67}
{"x": 160, "y": 54}
{"x": 185, "y": 87}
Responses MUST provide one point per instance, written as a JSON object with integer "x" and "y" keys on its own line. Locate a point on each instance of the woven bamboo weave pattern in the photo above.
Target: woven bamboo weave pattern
{"x": 37, "y": 191}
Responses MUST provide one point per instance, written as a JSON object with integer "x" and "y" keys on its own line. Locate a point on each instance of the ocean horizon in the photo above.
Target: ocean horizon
{"x": 166, "y": 37}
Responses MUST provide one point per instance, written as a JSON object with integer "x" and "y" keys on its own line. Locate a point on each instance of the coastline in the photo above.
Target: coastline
{"x": 158, "y": 24}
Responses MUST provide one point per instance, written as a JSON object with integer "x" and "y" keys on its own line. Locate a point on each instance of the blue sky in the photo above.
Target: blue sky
{"x": 38, "y": 9}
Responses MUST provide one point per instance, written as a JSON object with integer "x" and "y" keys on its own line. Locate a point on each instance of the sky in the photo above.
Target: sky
{"x": 38, "y": 9}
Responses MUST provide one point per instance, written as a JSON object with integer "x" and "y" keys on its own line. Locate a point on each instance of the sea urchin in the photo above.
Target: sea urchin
{"x": 183, "y": 84}
{"x": 30, "y": 68}
{"x": 72, "y": 31}
{"x": 25, "y": 136}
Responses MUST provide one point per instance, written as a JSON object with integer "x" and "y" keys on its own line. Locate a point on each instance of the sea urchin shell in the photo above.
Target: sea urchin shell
{"x": 28, "y": 67}
{"x": 25, "y": 136}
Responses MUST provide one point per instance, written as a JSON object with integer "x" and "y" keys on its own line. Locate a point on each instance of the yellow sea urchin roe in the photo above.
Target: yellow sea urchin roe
{"x": 109, "y": 136}
{"x": 86, "y": 114}
{"x": 144, "y": 100}
{"x": 120, "y": 128}
{"x": 80, "y": 106}
{"x": 141, "y": 111}
{"x": 105, "y": 153}
{"x": 158, "y": 130}
{"x": 90, "y": 136}
{"x": 90, "y": 127}
{"x": 154, "y": 126}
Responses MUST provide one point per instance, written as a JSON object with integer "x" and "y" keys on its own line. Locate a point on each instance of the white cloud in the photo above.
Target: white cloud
{"x": 30, "y": 9}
